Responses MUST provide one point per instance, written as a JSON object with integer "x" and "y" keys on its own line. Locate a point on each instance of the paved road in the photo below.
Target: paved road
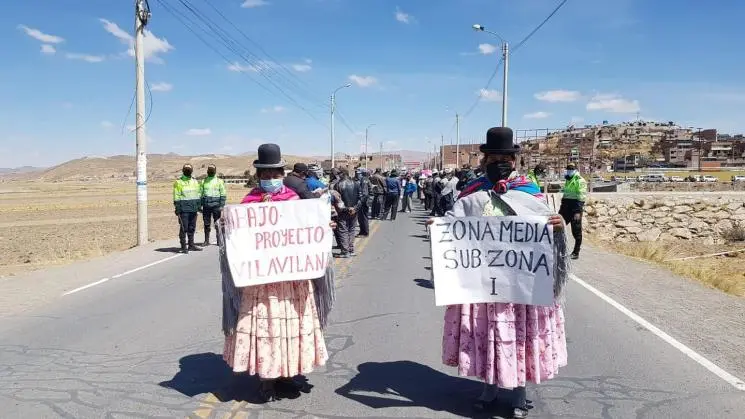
{"x": 148, "y": 343}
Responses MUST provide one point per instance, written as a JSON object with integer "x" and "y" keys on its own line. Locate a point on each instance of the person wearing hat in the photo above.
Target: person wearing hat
{"x": 313, "y": 180}
{"x": 276, "y": 331}
{"x": 213, "y": 201}
{"x": 379, "y": 191}
{"x": 507, "y": 345}
{"x": 187, "y": 200}
{"x": 295, "y": 180}
{"x": 572, "y": 206}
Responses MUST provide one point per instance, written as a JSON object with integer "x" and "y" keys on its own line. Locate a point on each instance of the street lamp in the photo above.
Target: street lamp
{"x": 506, "y": 58}
{"x": 366, "y": 133}
{"x": 333, "y": 108}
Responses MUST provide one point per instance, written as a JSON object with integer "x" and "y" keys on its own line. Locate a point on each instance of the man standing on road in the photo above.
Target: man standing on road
{"x": 573, "y": 204}
{"x": 213, "y": 201}
{"x": 363, "y": 182}
{"x": 351, "y": 196}
{"x": 393, "y": 194}
{"x": 449, "y": 191}
{"x": 187, "y": 199}
{"x": 295, "y": 180}
{"x": 379, "y": 191}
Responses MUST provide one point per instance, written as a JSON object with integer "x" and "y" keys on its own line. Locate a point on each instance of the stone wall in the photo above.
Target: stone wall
{"x": 659, "y": 217}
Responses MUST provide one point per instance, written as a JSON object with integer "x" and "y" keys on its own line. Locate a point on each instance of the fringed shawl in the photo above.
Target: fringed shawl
{"x": 524, "y": 198}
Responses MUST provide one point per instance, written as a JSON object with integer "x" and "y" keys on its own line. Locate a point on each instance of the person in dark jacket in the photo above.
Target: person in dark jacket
{"x": 351, "y": 196}
{"x": 363, "y": 181}
{"x": 379, "y": 190}
{"x": 295, "y": 180}
{"x": 393, "y": 188}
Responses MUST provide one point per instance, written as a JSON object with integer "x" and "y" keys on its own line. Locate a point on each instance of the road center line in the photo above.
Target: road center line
{"x": 101, "y": 281}
{"x": 715, "y": 369}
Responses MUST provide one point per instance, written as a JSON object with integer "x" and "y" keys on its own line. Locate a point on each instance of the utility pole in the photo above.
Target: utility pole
{"x": 457, "y": 140}
{"x": 142, "y": 16}
{"x": 506, "y": 57}
{"x": 333, "y": 108}
{"x": 442, "y": 151}
{"x": 381, "y": 155}
{"x": 366, "y": 136}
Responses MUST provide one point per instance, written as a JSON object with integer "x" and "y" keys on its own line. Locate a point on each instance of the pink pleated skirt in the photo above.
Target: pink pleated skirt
{"x": 505, "y": 344}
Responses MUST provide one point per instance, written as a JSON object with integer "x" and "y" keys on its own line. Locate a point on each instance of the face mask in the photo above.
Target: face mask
{"x": 211, "y": 172}
{"x": 271, "y": 186}
{"x": 569, "y": 174}
{"x": 498, "y": 171}
{"x": 186, "y": 172}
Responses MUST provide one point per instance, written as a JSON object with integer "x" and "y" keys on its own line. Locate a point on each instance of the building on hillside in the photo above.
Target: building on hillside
{"x": 469, "y": 155}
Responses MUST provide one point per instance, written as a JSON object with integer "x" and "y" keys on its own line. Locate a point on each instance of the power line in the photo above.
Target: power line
{"x": 260, "y": 66}
{"x": 190, "y": 23}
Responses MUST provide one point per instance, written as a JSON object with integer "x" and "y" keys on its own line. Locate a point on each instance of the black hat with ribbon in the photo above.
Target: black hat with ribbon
{"x": 499, "y": 140}
{"x": 269, "y": 157}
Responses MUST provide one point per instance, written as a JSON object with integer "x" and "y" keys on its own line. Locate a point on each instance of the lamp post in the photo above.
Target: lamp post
{"x": 333, "y": 108}
{"x": 367, "y": 130}
{"x": 506, "y": 58}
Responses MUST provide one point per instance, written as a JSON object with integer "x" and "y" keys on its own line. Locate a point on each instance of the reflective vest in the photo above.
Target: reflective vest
{"x": 213, "y": 192}
{"x": 533, "y": 178}
{"x": 575, "y": 188}
{"x": 187, "y": 194}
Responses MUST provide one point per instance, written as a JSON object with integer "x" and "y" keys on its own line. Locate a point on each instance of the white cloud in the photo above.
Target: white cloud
{"x": 275, "y": 109}
{"x": 41, "y": 36}
{"x": 402, "y": 17}
{"x": 48, "y": 49}
{"x": 537, "y": 115}
{"x": 576, "y": 120}
{"x": 153, "y": 46}
{"x": 198, "y": 132}
{"x": 558, "y": 96}
{"x": 161, "y": 87}
{"x": 250, "y": 4}
{"x": 363, "y": 81}
{"x": 107, "y": 124}
{"x": 613, "y": 103}
{"x": 302, "y": 68}
{"x": 487, "y": 49}
{"x": 490, "y": 95}
{"x": 85, "y": 57}
{"x": 253, "y": 68}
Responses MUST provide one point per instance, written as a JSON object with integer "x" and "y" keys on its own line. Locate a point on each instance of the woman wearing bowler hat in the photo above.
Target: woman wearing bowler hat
{"x": 273, "y": 330}
{"x": 506, "y": 344}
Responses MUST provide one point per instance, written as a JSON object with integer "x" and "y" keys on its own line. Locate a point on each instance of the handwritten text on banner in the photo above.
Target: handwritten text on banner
{"x": 277, "y": 241}
{"x": 493, "y": 259}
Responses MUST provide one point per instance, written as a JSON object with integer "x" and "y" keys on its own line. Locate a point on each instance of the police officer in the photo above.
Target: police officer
{"x": 573, "y": 204}
{"x": 213, "y": 201}
{"x": 535, "y": 175}
{"x": 187, "y": 199}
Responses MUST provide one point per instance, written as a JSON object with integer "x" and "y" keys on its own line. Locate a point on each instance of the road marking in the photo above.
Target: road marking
{"x": 715, "y": 369}
{"x": 206, "y": 406}
{"x": 131, "y": 271}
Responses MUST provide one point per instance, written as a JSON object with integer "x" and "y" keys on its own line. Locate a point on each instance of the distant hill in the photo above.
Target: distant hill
{"x": 14, "y": 172}
{"x": 160, "y": 167}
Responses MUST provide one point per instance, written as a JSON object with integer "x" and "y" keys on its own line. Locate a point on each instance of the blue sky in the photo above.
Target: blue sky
{"x": 69, "y": 78}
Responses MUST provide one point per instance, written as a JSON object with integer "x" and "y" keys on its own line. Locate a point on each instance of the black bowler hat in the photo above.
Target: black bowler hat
{"x": 499, "y": 140}
{"x": 270, "y": 157}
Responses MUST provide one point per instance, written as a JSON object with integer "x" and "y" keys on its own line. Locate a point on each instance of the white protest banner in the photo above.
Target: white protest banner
{"x": 493, "y": 259}
{"x": 277, "y": 241}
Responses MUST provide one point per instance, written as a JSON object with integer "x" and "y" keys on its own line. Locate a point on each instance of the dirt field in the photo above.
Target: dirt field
{"x": 43, "y": 224}
{"x": 724, "y": 272}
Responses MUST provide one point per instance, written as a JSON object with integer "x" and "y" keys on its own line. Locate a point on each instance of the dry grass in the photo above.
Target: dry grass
{"x": 723, "y": 272}
{"x": 43, "y": 225}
